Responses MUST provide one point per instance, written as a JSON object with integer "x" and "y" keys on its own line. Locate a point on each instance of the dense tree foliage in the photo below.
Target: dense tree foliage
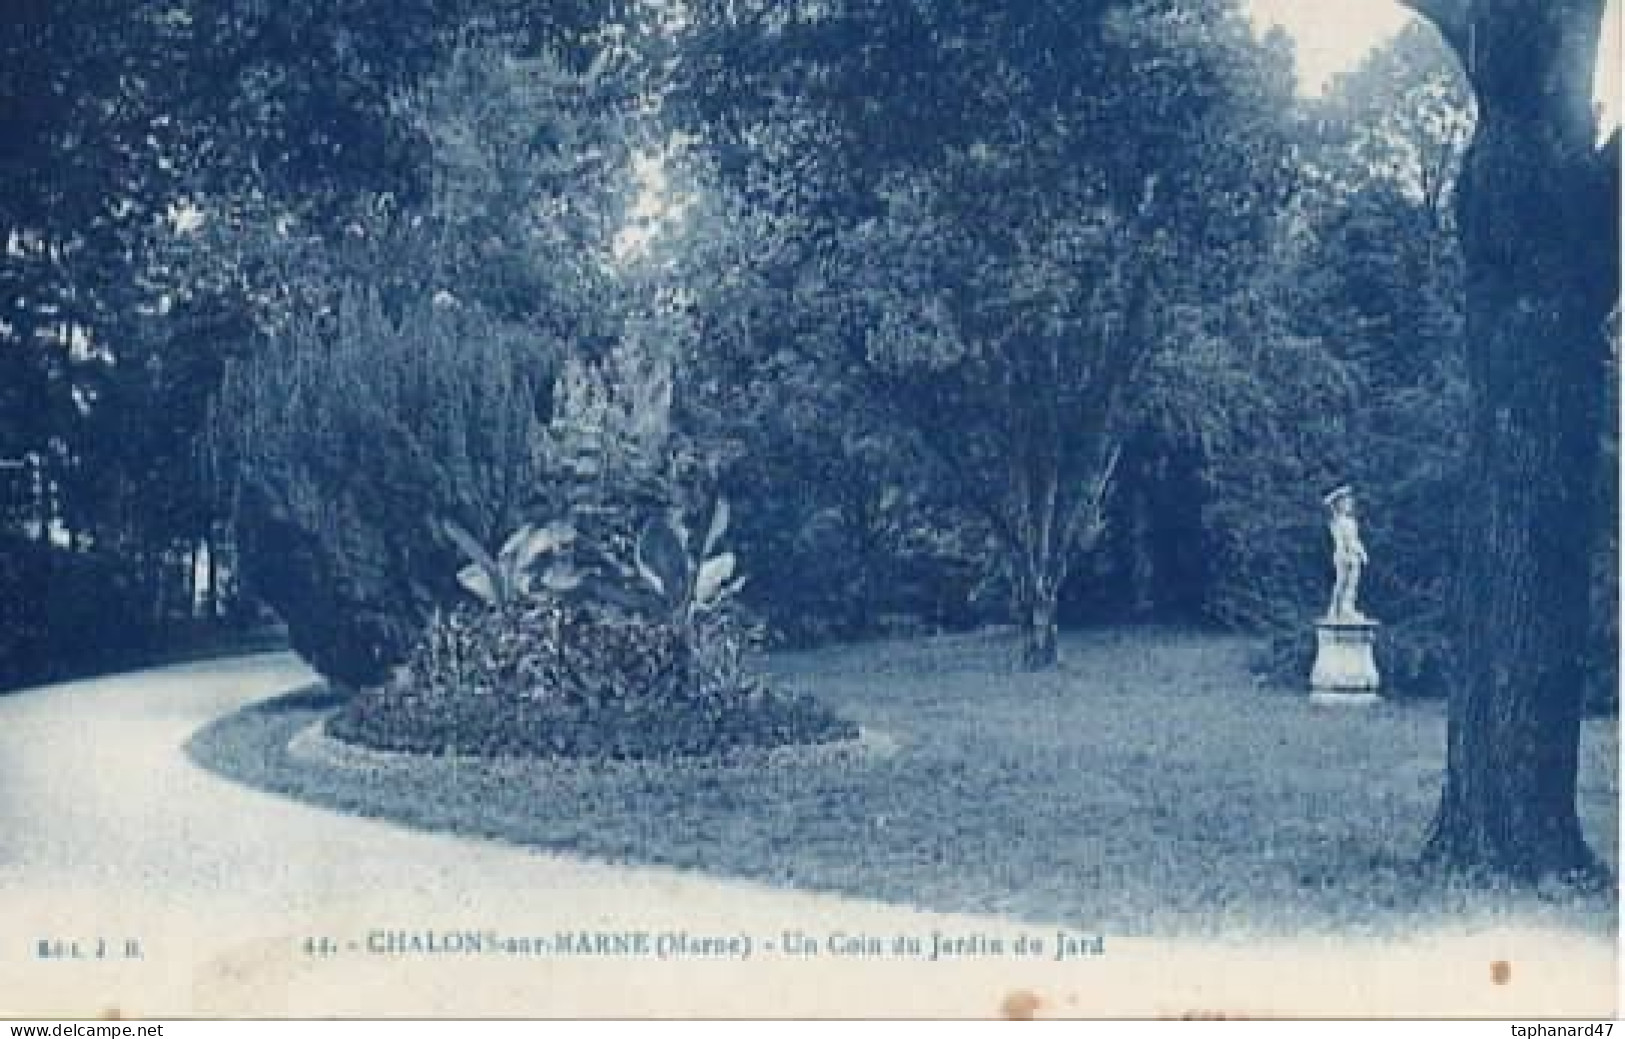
{"x": 994, "y": 280}
{"x": 155, "y": 151}
{"x": 406, "y": 370}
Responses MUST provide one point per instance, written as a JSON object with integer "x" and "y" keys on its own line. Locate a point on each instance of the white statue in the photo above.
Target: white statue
{"x": 1348, "y": 558}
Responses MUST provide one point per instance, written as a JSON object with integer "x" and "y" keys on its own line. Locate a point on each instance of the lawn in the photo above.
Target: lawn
{"x": 1149, "y": 787}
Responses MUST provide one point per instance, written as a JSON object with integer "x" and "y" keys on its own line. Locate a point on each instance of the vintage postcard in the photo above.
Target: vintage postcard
{"x": 817, "y": 509}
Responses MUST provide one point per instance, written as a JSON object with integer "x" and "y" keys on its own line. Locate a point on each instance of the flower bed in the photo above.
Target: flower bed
{"x": 548, "y": 679}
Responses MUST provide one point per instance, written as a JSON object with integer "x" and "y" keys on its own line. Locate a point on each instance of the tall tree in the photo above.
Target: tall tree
{"x": 1070, "y": 176}
{"x": 1538, "y": 211}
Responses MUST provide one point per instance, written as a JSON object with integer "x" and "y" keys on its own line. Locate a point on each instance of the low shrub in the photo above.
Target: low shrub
{"x": 1413, "y": 659}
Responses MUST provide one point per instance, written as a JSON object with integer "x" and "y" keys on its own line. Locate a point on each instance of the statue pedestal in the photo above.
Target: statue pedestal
{"x": 1345, "y": 670}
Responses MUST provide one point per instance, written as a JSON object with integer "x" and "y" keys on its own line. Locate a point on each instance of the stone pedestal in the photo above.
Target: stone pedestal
{"x": 1345, "y": 663}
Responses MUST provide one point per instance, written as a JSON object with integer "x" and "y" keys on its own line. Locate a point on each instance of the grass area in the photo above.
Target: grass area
{"x": 1148, "y": 787}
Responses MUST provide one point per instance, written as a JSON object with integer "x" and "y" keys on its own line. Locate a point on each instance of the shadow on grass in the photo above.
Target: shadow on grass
{"x": 1148, "y": 787}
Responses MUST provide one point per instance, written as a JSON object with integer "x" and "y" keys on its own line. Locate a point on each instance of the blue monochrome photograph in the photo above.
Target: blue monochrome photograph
{"x": 908, "y": 509}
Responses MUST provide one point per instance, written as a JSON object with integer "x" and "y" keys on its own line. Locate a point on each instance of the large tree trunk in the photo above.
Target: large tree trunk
{"x": 1540, "y": 237}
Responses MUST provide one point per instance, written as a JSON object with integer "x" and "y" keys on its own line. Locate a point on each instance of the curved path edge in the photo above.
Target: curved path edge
{"x": 115, "y": 840}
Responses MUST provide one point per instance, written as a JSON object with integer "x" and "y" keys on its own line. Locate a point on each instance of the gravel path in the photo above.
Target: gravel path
{"x": 111, "y": 835}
